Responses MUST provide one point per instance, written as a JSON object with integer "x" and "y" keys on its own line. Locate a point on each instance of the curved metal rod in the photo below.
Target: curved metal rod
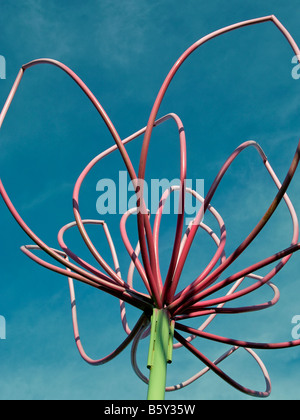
{"x": 222, "y": 242}
{"x": 240, "y": 343}
{"x": 202, "y": 372}
{"x": 220, "y": 253}
{"x": 223, "y": 375}
{"x": 130, "y": 249}
{"x": 88, "y": 168}
{"x": 142, "y": 167}
{"x": 99, "y": 279}
{"x": 210, "y": 366}
{"x": 220, "y": 308}
{"x": 210, "y": 279}
{"x": 112, "y": 130}
{"x": 223, "y": 256}
{"x": 79, "y": 260}
{"x": 189, "y": 302}
{"x": 3, "y": 192}
{"x": 285, "y": 255}
{"x": 282, "y": 254}
{"x": 91, "y": 268}
{"x": 189, "y": 339}
{"x": 131, "y": 269}
{"x": 210, "y": 318}
{"x": 289, "y": 206}
{"x": 142, "y": 320}
{"x": 152, "y": 287}
{"x": 180, "y": 385}
{"x": 156, "y": 106}
{"x": 156, "y": 228}
{"x": 203, "y": 210}
{"x": 192, "y": 312}
{"x": 115, "y": 136}
{"x": 134, "y": 254}
{"x": 189, "y": 294}
{"x": 133, "y": 353}
{"x": 130, "y": 296}
{"x": 124, "y": 155}
{"x": 181, "y": 207}
{"x": 97, "y": 283}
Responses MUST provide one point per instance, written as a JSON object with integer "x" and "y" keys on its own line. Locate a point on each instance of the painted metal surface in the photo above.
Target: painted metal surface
{"x": 164, "y": 295}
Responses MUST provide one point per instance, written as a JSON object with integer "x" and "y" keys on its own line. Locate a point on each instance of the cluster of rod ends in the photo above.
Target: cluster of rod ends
{"x": 198, "y": 298}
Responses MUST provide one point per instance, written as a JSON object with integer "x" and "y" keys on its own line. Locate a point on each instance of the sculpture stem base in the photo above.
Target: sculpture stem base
{"x": 160, "y": 353}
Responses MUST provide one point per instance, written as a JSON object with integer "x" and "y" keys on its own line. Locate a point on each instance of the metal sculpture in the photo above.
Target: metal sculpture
{"x": 165, "y": 309}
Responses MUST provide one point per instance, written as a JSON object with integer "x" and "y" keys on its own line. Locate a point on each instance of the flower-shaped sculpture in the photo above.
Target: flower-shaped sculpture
{"x": 165, "y": 310}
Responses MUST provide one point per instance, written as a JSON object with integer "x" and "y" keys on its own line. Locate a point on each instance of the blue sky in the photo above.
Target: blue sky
{"x": 236, "y": 88}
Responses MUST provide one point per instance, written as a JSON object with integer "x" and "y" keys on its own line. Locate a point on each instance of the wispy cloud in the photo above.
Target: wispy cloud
{"x": 49, "y": 194}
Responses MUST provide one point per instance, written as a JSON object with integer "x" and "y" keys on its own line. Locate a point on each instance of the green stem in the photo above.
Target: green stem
{"x": 160, "y": 353}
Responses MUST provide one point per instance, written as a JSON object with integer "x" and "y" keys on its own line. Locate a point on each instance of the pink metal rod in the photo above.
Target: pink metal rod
{"x": 126, "y": 160}
{"x": 202, "y": 282}
{"x": 74, "y": 257}
{"x": 210, "y": 194}
{"x": 203, "y": 296}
